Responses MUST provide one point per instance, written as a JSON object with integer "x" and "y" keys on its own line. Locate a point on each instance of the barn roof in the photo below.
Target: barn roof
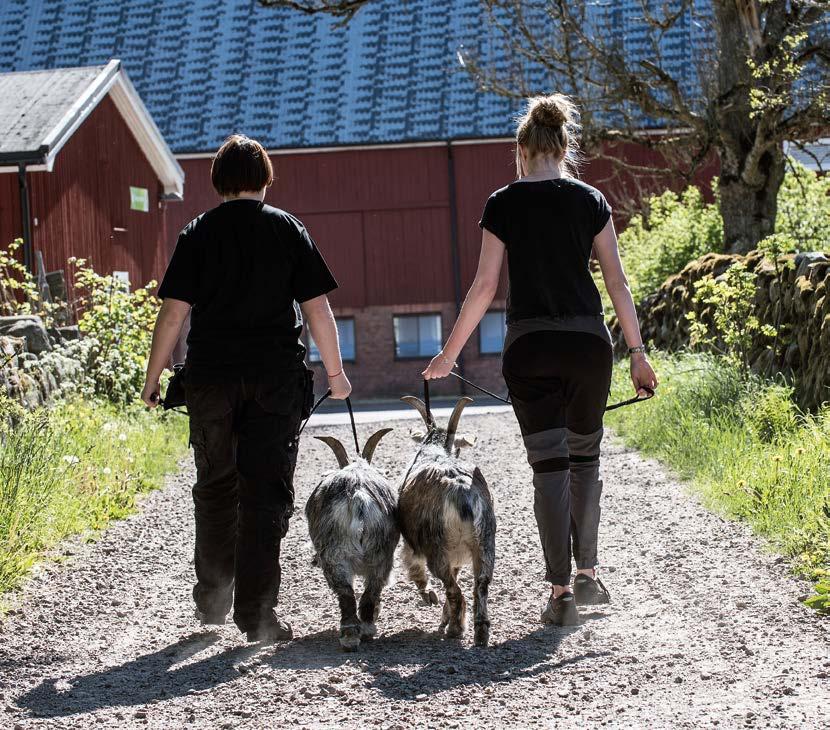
{"x": 40, "y": 110}
{"x": 207, "y": 68}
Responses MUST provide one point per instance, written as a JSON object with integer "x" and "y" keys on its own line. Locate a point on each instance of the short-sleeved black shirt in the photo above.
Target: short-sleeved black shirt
{"x": 244, "y": 266}
{"x": 548, "y": 229}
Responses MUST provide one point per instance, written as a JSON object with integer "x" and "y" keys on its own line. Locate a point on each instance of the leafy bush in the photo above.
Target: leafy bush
{"x": 745, "y": 447}
{"x": 19, "y": 293}
{"x": 675, "y": 230}
{"x": 117, "y": 325}
{"x": 728, "y": 324}
{"x": 73, "y": 468}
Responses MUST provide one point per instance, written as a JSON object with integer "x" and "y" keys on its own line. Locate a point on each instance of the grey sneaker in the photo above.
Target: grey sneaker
{"x": 561, "y": 611}
{"x": 590, "y": 591}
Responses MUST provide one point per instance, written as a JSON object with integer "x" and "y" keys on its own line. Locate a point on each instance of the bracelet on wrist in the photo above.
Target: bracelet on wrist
{"x": 339, "y": 372}
{"x": 635, "y": 350}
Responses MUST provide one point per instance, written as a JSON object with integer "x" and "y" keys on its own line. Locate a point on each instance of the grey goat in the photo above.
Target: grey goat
{"x": 447, "y": 521}
{"x": 352, "y": 520}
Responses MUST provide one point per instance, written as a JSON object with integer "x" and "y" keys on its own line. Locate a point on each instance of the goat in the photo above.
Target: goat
{"x": 352, "y": 521}
{"x": 447, "y": 521}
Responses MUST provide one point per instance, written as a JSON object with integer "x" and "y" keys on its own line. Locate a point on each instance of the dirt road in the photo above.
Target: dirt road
{"x": 705, "y": 628}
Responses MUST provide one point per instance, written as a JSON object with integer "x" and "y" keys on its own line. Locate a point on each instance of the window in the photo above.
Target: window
{"x": 417, "y": 335}
{"x": 345, "y": 332}
{"x": 491, "y": 333}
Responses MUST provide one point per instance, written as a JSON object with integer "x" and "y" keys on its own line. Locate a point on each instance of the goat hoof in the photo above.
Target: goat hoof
{"x": 454, "y": 631}
{"x": 431, "y": 598}
{"x": 367, "y": 632}
{"x": 350, "y": 638}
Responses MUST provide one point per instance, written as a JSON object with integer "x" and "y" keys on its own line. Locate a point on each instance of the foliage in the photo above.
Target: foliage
{"x": 803, "y": 221}
{"x": 676, "y": 230}
{"x": 745, "y": 447}
{"x": 19, "y": 293}
{"x": 73, "y": 469}
{"x": 728, "y": 324}
{"x": 117, "y": 326}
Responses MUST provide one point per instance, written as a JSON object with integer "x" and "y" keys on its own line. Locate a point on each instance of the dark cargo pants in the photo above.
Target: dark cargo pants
{"x": 244, "y": 438}
{"x": 558, "y": 384}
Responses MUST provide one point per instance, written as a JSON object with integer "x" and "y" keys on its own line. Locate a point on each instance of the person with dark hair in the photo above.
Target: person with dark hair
{"x": 246, "y": 273}
{"x": 557, "y": 351}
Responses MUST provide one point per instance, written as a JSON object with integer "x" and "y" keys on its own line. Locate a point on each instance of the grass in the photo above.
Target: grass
{"x": 73, "y": 468}
{"x": 746, "y": 448}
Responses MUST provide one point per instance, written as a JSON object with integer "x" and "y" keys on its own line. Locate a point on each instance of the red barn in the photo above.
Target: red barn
{"x": 382, "y": 144}
{"x": 86, "y": 172}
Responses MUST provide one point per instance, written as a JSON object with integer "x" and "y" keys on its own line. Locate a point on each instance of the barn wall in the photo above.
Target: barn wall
{"x": 80, "y": 204}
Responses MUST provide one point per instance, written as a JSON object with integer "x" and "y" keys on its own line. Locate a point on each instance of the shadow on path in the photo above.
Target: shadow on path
{"x": 440, "y": 664}
{"x": 145, "y": 679}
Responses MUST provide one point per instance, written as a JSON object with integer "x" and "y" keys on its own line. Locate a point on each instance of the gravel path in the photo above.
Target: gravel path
{"x": 705, "y": 629}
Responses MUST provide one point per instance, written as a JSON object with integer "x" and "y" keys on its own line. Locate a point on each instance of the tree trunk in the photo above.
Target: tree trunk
{"x": 749, "y": 211}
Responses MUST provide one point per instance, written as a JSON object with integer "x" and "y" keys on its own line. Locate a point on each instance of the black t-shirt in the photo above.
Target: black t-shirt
{"x": 244, "y": 266}
{"x": 548, "y": 229}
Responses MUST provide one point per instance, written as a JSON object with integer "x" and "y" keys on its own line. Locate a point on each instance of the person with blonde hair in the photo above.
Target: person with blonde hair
{"x": 557, "y": 353}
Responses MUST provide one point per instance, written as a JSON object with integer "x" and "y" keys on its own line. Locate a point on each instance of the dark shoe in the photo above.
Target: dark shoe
{"x": 270, "y": 630}
{"x": 561, "y": 611}
{"x": 210, "y": 619}
{"x": 590, "y": 591}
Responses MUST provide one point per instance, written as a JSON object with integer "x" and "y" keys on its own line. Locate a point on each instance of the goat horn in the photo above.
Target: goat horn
{"x": 372, "y": 442}
{"x": 338, "y": 449}
{"x": 421, "y": 407}
{"x": 452, "y": 426}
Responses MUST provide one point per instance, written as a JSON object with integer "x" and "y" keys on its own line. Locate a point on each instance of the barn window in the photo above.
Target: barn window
{"x": 491, "y": 333}
{"x": 345, "y": 332}
{"x": 417, "y": 335}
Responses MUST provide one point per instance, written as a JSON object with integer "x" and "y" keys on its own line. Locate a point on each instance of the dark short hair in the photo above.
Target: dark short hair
{"x": 241, "y": 165}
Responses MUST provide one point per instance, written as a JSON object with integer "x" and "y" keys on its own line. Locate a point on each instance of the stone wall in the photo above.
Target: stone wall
{"x": 799, "y": 302}
{"x": 35, "y": 367}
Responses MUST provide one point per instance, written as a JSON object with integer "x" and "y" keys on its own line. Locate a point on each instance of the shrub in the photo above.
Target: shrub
{"x": 117, "y": 326}
{"x": 728, "y": 323}
{"x": 675, "y": 230}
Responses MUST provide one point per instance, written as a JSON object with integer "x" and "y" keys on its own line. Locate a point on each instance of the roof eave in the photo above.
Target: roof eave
{"x": 148, "y": 136}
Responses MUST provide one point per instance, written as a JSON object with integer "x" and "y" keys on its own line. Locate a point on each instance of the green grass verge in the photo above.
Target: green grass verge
{"x": 73, "y": 468}
{"x": 745, "y": 448}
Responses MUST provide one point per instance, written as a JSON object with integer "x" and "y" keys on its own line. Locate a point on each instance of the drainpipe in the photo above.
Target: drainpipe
{"x": 26, "y": 217}
{"x": 456, "y": 255}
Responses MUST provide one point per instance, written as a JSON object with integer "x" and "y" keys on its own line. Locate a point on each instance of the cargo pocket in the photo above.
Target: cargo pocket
{"x": 208, "y": 406}
{"x": 284, "y": 397}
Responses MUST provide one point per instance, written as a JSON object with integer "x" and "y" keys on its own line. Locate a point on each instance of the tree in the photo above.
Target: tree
{"x": 760, "y": 81}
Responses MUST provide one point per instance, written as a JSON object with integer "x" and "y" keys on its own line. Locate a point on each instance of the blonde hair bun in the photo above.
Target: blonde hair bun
{"x": 549, "y": 126}
{"x": 551, "y": 111}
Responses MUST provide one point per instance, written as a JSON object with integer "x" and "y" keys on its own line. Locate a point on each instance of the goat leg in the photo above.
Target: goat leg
{"x": 483, "y": 571}
{"x": 370, "y": 606}
{"x": 454, "y": 617}
{"x": 416, "y": 569}
{"x": 342, "y": 583}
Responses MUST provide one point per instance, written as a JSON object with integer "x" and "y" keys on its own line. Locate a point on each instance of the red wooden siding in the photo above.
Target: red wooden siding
{"x": 381, "y": 216}
{"x": 86, "y": 197}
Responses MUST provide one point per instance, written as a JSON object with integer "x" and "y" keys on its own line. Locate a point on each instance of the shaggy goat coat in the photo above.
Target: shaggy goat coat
{"x": 352, "y": 521}
{"x": 447, "y": 521}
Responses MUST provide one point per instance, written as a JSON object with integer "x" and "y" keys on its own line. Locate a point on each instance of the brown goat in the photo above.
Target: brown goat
{"x": 447, "y": 521}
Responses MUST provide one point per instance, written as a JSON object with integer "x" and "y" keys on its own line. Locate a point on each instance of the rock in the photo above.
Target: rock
{"x": 804, "y": 260}
{"x": 30, "y": 328}
{"x": 70, "y": 332}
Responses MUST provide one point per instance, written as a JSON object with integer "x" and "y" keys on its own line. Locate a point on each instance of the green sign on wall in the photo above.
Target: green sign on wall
{"x": 139, "y": 199}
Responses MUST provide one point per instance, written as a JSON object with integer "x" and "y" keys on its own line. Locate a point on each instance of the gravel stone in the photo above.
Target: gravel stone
{"x": 70, "y": 659}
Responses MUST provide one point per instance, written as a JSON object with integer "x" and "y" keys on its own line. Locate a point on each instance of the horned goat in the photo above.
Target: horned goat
{"x": 352, "y": 521}
{"x": 447, "y": 520}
